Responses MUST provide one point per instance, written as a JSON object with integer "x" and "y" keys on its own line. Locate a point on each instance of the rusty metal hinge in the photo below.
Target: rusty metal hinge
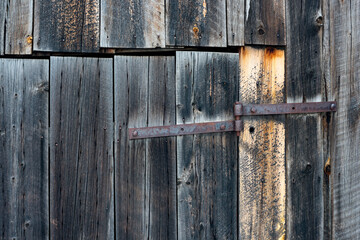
{"x": 240, "y": 109}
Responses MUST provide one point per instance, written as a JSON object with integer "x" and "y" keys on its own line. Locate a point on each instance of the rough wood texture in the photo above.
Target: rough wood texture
{"x": 305, "y": 158}
{"x": 19, "y": 27}
{"x": 81, "y": 148}
{"x": 24, "y": 149}
{"x": 265, "y": 22}
{"x": 66, "y": 26}
{"x": 206, "y": 89}
{"x": 235, "y": 22}
{"x": 196, "y": 23}
{"x": 262, "y": 146}
{"x": 132, "y": 24}
{"x": 145, "y": 169}
{"x": 346, "y": 82}
{"x": 2, "y": 26}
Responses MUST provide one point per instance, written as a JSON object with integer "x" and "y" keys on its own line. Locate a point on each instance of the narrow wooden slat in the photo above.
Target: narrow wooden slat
{"x": 206, "y": 89}
{"x": 132, "y": 24}
{"x": 19, "y": 27}
{"x": 196, "y": 23}
{"x": 265, "y": 22}
{"x": 346, "y": 85}
{"x": 262, "y": 146}
{"x": 235, "y": 22}
{"x": 81, "y": 148}
{"x": 306, "y": 156}
{"x": 2, "y": 26}
{"x": 24, "y": 149}
{"x": 66, "y": 25}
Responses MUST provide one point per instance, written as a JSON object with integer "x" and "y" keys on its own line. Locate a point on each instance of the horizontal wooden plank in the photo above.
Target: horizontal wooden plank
{"x": 132, "y": 24}
{"x": 24, "y": 201}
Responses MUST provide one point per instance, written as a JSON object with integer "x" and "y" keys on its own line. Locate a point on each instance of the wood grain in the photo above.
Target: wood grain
{"x": 345, "y": 164}
{"x": 66, "y": 26}
{"x": 145, "y": 169}
{"x": 262, "y": 188}
{"x": 307, "y": 153}
{"x": 206, "y": 89}
{"x": 235, "y": 21}
{"x": 81, "y": 148}
{"x": 265, "y": 22}
{"x": 132, "y": 24}
{"x": 2, "y": 26}
{"x": 19, "y": 27}
{"x": 196, "y": 23}
{"x": 24, "y": 86}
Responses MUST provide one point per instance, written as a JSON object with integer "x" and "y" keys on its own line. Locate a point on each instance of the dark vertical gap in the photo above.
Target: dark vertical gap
{"x": 113, "y": 142}
{"x": 48, "y": 140}
{"x": 176, "y": 154}
{"x": 147, "y": 145}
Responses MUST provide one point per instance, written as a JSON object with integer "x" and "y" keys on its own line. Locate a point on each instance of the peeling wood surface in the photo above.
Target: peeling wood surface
{"x": 206, "y": 89}
{"x": 19, "y": 27}
{"x": 81, "y": 148}
{"x": 145, "y": 169}
{"x": 265, "y": 22}
{"x": 66, "y": 26}
{"x": 235, "y": 22}
{"x": 196, "y": 23}
{"x": 24, "y": 149}
{"x": 346, "y": 86}
{"x": 132, "y": 24}
{"x": 262, "y": 187}
{"x": 306, "y": 151}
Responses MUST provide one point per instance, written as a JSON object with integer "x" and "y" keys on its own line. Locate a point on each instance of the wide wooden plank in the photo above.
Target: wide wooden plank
{"x": 81, "y": 148}
{"x": 132, "y": 24}
{"x": 306, "y": 134}
{"x": 145, "y": 169}
{"x": 345, "y": 162}
{"x": 24, "y": 86}
{"x": 262, "y": 187}
{"x": 265, "y": 22}
{"x": 19, "y": 27}
{"x": 66, "y": 25}
{"x": 206, "y": 89}
{"x": 2, "y": 26}
{"x": 235, "y": 22}
{"x": 196, "y": 23}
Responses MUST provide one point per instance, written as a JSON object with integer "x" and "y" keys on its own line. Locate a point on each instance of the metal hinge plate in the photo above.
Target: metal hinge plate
{"x": 232, "y": 125}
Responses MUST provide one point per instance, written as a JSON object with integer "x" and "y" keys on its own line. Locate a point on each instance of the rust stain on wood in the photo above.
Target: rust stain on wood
{"x": 262, "y": 149}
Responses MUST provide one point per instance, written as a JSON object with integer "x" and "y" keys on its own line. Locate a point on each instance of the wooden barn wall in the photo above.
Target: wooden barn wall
{"x": 76, "y": 74}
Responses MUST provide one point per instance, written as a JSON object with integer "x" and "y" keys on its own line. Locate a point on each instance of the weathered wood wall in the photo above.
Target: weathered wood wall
{"x": 69, "y": 171}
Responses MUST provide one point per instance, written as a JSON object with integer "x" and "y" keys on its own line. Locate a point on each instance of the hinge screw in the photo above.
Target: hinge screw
{"x": 222, "y": 127}
{"x": 135, "y": 133}
{"x": 253, "y": 110}
{"x": 333, "y": 106}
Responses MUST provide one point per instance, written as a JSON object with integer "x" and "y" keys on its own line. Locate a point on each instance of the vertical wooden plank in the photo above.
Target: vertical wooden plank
{"x": 131, "y": 104}
{"x": 2, "y": 26}
{"x": 81, "y": 147}
{"x": 305, "y": 158}
{"x": 66, "y": 26}
{"x": 265, "y": 22}
{"x": 235, "y": 22}
{"x": 24, "y": 86}
{"x": 161, "y": 152}
{"x": 206, "y": 89}
{"x": 346, "y": 85}
{"x": 19, "y": 27}
{"x": 132, "y": 24}
{"x": 262, "y": 146}
{"x": 196, "y": 23}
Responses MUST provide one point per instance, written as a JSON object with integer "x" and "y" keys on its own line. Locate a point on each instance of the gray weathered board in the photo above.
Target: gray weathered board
{"x": 206, "y": 89}
{"x": 24, "y": 149}
{"x": 81, "y": 148}
{"x": 307, "y": 184}
{"x": 145, "y": 170}
{"x": 2, "y": 26}
{"x": 132, "y": 24}
{"x": 66, "y": 25}
{"x": 235, "y": 22}
{"x": 265, "y": 22}
{"x": 196, "y": 23}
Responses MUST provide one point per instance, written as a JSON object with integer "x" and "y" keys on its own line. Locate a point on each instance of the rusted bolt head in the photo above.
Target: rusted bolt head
{"x": 222, "y": 127}
{"x": 135, "y": 133}
{"x": 253, "y": 110}
{"x": 333, "y": 106}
